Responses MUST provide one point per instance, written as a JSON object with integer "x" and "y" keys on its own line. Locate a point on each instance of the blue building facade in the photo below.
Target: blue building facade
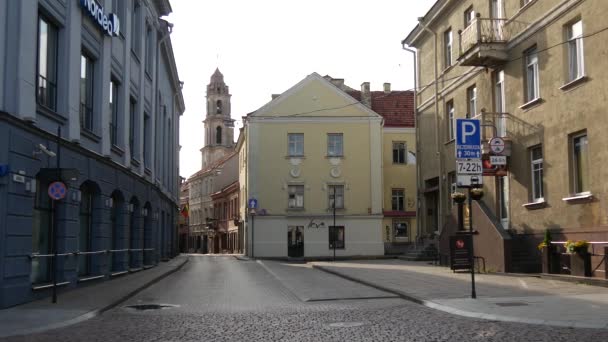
{"x": 89, "y": 87}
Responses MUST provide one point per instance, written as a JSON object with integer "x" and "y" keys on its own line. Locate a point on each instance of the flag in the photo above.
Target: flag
{"x": 185, "y": 211}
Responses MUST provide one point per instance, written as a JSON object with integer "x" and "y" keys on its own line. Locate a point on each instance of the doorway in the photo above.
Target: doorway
{"x": 502, "y": 185}
{"x": 295, "y": 241}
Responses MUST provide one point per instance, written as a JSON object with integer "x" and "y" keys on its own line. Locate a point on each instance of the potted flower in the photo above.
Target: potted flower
{"x": 580, "y": 259}
{"x": 550, "y": 259}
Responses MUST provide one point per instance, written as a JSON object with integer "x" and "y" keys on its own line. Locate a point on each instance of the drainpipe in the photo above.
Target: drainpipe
{"x": 418, "y": 155}
{"x": 437, "y": 141}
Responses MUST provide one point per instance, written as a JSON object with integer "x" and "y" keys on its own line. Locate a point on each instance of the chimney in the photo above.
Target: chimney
{"x": 338, "y": 82}
{"x": 387, "y": 88}
{"x": 274, "y": 96}
{"x": 366, "y": 96}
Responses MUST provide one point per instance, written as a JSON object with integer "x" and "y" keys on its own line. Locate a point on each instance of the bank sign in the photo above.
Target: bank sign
{"x": 108, "y": 23}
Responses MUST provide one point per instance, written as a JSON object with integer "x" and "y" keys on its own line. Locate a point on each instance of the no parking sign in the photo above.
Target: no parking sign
{"x": 57, "y": 191}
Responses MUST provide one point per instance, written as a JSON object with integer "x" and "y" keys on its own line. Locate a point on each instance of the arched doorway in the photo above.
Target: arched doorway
{"x": 134, "y": 235}
{"x": 41, "y": 233}
{"x": 89, "y": 198}
{"x": 116, "y": 225}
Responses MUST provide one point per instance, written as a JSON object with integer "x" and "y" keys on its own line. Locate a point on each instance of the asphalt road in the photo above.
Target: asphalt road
{"x": 223, "y": 299}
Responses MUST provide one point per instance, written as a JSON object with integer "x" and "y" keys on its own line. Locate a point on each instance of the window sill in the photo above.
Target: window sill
{"x": 295, "y": 157}
{"x": 574, "y": 83}
{"x": 584, "y": 196}
{"x": 147, "y": 171}
{"x": 119, "y": 151}
{"x": 337, "y": 209}
{"x": 84, "y": 280}
{"x": 51, "y": 114}
{"x": 532, "y": 103}
{"x": 89, "y": 135}
{"x": 451, "y": 141}
{"x": 134, "y": 162}
{"x": 535, "y": 205}
{"x": 398, "y": 164}
{"x": 331, "y": 157}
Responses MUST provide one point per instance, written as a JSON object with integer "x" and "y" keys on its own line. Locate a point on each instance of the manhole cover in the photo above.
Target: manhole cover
{"x": 512, "y": 304}
{"x": 345, "y": 324}
{"x": 143, "y": 307}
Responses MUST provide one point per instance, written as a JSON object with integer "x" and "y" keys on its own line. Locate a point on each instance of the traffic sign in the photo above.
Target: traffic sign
{"x": 469, "y": 167}
{"x": 497, "y": 145}
{"x": 57, "y": 191}
{"x": 498, "y": 160}
{"x": 253, "y": 203}
{"x": 464, "y": 181}
{"x": 468, "y": 138}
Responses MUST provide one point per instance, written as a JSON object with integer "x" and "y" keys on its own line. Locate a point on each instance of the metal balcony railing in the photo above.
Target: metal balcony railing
{"x": 47, "y": 93}
{"x": 484, "y": 30}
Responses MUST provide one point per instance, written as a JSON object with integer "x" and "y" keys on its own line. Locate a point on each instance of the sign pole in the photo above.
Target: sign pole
{"x": 471, "y": 250}
{"x": 335, "y": 229}
{"x": 54, "y": 219}
{"x": 252, "y": 235}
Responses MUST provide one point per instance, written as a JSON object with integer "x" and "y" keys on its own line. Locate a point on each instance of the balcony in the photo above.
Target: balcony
{"x": 484, "y": 41}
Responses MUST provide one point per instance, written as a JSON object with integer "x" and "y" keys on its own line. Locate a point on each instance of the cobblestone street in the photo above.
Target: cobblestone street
{"x": 224, "y": 299}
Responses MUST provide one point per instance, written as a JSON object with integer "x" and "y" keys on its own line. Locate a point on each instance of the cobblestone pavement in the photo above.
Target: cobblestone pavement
{"x": 222, "y": 299}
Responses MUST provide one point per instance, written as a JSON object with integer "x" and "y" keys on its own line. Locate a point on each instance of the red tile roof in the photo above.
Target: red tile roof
{"x": 397, "y": 107}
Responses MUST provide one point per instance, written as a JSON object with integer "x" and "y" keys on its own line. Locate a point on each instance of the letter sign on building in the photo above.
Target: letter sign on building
{"x": 108, "y": 23}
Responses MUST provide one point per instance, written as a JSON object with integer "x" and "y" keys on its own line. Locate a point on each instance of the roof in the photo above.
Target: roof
{"x": 217, "y": 76}
{"x": 212, "y": 166}
{"x": 396, "y": 107}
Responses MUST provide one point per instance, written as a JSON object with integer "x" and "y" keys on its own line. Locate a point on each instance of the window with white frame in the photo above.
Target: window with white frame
{"x": 580, "y": 163}
{"x": 296, "y": 144}
{"x": 398, "y": 200}
{"x": 399, "y": 152}
{"x": 469, "y": 15}
{"x": 449, "y": 113}
{"x": 295, "y": 196}
{"x": 536, "y": 160}
{"x": 447, "y": 48}
{"x": 114, "y": 112}
{"x": 336, "y": 192}
{"x": 532, "y": 79}
{"x": 575, "y": 51}
{"x": 472, "y": 101}
{"x": 335, "y": 144}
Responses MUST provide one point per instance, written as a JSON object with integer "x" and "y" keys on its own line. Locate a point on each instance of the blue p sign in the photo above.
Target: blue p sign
{"x": 468, "y": 134}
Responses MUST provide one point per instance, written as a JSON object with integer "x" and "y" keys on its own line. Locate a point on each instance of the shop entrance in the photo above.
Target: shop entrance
{"x": 295, "y": 241}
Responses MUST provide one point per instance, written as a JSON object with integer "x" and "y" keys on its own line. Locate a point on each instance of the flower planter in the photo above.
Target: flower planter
{"x": 550, "y": 260}
{"x": 580, "y": 264}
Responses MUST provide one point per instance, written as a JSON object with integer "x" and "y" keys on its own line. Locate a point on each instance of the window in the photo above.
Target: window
{"x": 132, "y": 130}
{"x": 580, "y": 163}
{"x": 149, "y": 50}
{"x": 575, "y": 51}
{"x": 336, "y": 236}
{"x": 147, "y": 133}
{"x": 400, "y": 229}
{"x": 135, "y": 36}
{"x": 536, "y": 158}
{"x": 334, "y": 145}
{"x": 447, "y": 48}
{"x": 86, "y": 92}
{"x": 472, "y": 101}
{"x": 399, "y": 153}
{"x": 296, "y": 144}
{"x": 218, "y": 107}
{"x": 113, "y": 112}
{"x": 296, "y": 196}
{"x": 336, "y": 191}
{"x": 532, "y": 86}
{"x": 469, "y": 15}
{"x": 397, "y": 201}
{"x": 46, "y": 93}
{"x": 41, "y": 234}
{"x": 449, "y": 110}
{"x": 218, "y": 135}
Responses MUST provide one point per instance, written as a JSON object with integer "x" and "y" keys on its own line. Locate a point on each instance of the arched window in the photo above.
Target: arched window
{"x": 218, "y": 107}
{"x": 218, "y": 135}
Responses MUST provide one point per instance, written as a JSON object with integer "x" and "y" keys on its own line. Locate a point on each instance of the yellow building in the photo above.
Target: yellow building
{"x": 310, "y": 148}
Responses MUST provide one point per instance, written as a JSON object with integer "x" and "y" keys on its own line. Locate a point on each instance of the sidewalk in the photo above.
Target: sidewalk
{"x": 524, "y": 299}
{"x": 79, "y": 304}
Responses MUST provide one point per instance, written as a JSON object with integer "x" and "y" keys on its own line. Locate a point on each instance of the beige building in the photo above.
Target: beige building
{"x": 310, "y": 148}
{"x": 535, "y": 73}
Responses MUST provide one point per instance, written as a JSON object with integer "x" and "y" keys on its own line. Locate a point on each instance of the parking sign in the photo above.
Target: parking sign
{"x": 468, "y": 139}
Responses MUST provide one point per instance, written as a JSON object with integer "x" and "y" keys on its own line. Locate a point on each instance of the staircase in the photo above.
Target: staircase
{"x": 428, "y": 253}
{"x": 524, "y": 256}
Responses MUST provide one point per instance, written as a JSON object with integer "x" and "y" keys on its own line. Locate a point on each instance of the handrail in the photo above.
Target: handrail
{"x": 590, "y": 242}
{"x": 104, "y": 251}
{"x": 89, "y": 253}
{"x": 118, "y": 250}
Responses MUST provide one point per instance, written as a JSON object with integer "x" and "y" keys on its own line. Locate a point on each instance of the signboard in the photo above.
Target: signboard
{"x": 110, "y": 24}
{"x": 498, "y": 160}
{"x": 253, "y": 203}
{"x": 468, "y": 166}
{"x": 464, "y": 181}
{"x": 468, "y": 139}
{"x": 460, "y": 248}
{"x": 57, "y": 191}
{"x": 497, "y": 145}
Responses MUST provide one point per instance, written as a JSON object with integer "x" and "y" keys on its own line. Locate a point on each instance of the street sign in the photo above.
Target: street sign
{"x": 469, "y": 167}
{"x": 460, "y": 249}
{"x": 57, "y": 191}
{"x": 468, "y": 138}
{"x": 498, "y": 160}
{"x": 463, "y": 181}
{"x": 253, "y": 203}
{"x": 497, "y": 145}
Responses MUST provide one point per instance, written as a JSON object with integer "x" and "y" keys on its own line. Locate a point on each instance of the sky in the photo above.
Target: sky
{"x": 264, "y": 47}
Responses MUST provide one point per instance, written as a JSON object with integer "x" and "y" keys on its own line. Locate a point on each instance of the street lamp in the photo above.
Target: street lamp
{"x": 252, "y": 213}
{"x": 474, "y": 194}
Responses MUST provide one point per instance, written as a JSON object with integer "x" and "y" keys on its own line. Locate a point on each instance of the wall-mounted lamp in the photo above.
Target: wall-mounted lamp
{"x": 109, "y": 202}
{"x": 131, "y": 207}
{"x": 144, "y": 212}
{"x": 76, "y": 195}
